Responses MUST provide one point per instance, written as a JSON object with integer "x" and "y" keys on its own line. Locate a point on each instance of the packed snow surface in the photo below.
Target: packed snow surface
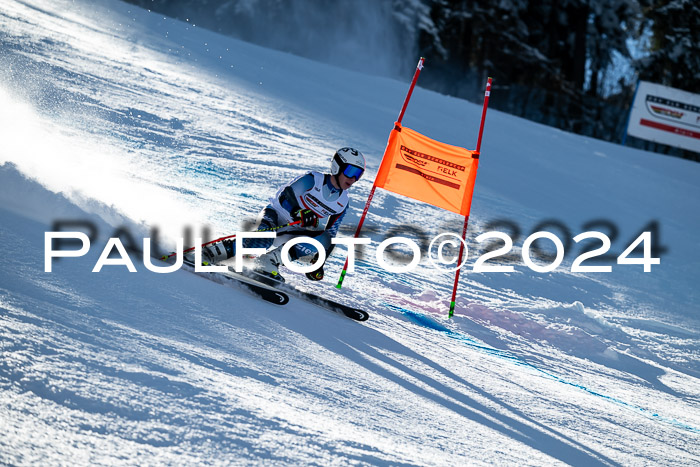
{"x": 120, "y": 122}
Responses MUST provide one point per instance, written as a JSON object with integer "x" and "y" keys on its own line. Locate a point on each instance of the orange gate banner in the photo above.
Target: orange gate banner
{"x": 427, "y": 170}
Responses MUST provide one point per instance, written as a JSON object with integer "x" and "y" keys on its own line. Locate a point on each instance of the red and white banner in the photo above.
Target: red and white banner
{"x": 666, "y": 115}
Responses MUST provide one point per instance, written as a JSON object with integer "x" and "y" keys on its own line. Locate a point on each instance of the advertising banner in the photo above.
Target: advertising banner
{"x": 666, "y": 115}
{"x": 426, "y": 170}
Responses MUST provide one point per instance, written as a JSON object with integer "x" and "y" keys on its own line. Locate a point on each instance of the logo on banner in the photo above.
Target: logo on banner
{"x": 433, "y": 169}
{"x": 669, "y": 109}
{"x": 666, "y": 112}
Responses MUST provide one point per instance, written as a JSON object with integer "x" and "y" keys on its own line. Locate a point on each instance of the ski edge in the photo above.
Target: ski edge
{"x": 328, "y": 304}
{"x": 258, "y": 289}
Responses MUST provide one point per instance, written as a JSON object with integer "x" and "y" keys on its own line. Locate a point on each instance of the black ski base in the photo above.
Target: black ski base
{"x": 271, "y": 290}
{"x": 267, "y": 293}
{"x": 352, "y": 313}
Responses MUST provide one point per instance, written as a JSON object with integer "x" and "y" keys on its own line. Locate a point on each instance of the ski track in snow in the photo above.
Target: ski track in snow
{"x": 125, "y": 118}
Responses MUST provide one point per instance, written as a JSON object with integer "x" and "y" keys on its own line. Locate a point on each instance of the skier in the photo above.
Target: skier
{"x": 317, "y": 201}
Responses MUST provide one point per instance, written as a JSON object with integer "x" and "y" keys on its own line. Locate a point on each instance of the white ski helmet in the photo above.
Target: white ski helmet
{"x": 348, "y": 161}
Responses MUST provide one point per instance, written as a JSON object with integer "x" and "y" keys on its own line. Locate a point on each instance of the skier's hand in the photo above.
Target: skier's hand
{"x": 316, "y": 275}
{"x": 307, "y": 217}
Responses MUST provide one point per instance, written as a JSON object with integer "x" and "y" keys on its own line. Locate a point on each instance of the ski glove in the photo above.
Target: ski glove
{"x": 316, "y": 275}
{"x": 307, "y": 217}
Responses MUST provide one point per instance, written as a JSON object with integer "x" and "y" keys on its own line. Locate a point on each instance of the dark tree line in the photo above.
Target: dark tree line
{"x": 674, "y": 58}
{"x": 572, "y": 64}
{"x": 554, "y": 60}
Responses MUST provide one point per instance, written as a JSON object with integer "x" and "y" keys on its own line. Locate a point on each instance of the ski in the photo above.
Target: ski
{"x": 271, "y": 290}
{"x": 352, "y": 313}
{"x": 257, "y": 288}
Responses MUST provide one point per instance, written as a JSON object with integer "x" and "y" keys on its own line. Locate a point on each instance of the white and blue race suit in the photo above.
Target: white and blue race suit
{"x": 314, "y": 191}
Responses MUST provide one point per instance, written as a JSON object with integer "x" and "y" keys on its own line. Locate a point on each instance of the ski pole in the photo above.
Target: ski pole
{"x": 271, "y": 229}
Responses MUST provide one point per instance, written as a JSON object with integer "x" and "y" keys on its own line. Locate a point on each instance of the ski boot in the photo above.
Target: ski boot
{"x": 268, "y": 265}
{"x": 217, "y": 252}
{"x": 214, "y": 253}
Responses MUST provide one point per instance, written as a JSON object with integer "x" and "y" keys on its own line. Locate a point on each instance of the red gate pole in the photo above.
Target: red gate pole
{"x": 466, "y": 218}
{"x": 419, "y": 67}
{"x": 483, "y": 113}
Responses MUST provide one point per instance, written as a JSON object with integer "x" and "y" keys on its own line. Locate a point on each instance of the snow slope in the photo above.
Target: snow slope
{"x": 122, "y": 118}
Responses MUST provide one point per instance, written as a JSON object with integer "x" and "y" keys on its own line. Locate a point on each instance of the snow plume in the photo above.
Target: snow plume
{"x": 65, "y": 160}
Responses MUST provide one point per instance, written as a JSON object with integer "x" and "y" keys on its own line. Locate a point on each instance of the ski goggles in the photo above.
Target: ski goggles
{"x": 352, "y": 171}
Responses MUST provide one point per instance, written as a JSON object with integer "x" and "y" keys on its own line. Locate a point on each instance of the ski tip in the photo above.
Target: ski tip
{"x": 362, "y": 315}
{"x": 282, "y": 298}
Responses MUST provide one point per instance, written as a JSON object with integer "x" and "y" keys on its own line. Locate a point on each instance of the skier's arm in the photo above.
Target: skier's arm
{"x": 289, "y": 198}
{"x": 332, "y": 228}
{"x": 334, "y": 223}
